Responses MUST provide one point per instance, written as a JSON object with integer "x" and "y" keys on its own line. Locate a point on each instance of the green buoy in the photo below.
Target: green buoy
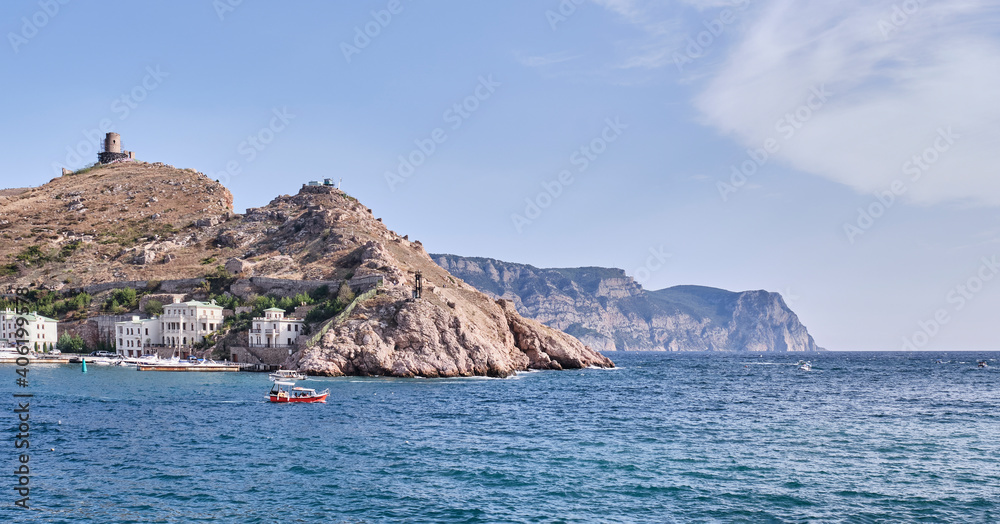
{"x": 84, "y": 365}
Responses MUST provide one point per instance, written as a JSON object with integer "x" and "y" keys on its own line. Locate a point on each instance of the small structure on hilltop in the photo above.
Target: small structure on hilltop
{"x": 111, "y": 150}
{"x": 327, "y": 182}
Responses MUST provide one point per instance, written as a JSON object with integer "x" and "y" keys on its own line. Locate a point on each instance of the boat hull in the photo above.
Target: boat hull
{"x": 276, "y": 378}
{"x": 283, "y": 399}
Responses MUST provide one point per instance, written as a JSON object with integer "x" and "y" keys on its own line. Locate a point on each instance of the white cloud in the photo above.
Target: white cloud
{"x": 894, "y": 85}
{"x": 661, "y": 33}
{"x": 899, "y": 70}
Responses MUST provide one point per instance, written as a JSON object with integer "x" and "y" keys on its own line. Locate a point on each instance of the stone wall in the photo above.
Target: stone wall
{"x": 163, "y": 298}
{"x": 106, "y": 325}
{"x": 180, "y": 286}
{"x": 269, "y": 356}
{"x": 165, "y": 286}
{"x": 100, "y": 288}
{"x": 286, "y": 288}
{"x": 242, "y": 287}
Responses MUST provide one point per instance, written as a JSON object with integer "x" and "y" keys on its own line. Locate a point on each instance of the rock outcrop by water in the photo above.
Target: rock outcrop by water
{"x": 606, "y": 309}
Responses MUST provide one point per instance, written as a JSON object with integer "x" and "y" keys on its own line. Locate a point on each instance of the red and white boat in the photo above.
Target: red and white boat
{"x": 289, "y": 392}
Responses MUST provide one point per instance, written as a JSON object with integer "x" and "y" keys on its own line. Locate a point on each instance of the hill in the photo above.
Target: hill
{"x": 606, "y": 309}
{"x": 134, "y": 223}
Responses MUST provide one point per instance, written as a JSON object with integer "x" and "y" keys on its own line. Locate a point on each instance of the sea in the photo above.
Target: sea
{"x": 664, "y": 437}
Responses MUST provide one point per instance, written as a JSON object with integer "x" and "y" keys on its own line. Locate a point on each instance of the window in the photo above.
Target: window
{"x": 147, "y": 331}
{"x": 296, "y": 327}
{"x": 203, "y": 326}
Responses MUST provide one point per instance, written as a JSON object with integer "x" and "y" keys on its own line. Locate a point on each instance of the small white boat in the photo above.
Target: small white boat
{"x": 135, "y": 361}
{"x": 286, "y": 375}
{"x": 804, "y": 366}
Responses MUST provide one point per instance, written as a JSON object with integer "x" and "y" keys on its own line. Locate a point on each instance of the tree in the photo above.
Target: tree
{"x": 345, "y": 295}
{"x": 154, "y": 307}
{"x": 70, "y": 343}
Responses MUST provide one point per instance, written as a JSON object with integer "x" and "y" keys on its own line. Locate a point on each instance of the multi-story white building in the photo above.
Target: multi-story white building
{"x": 273, "y": 330}
{"x": 187, "y": 323}
{"x": 135, "y": 338}
{"x": 182, "y": 325}
{"x": 42, "y": 332}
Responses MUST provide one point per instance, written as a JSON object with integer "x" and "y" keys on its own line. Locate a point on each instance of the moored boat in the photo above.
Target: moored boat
{"x": 286, "y": 375}
{"x": 289, "y": 392}
{"x": 182, "y": 365}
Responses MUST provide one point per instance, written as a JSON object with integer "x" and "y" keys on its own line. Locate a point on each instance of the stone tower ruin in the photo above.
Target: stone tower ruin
{"x": 111, "y": 150}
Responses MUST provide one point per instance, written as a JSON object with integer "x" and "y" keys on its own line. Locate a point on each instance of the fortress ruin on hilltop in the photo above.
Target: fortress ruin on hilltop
{"x": 111, "y": 150}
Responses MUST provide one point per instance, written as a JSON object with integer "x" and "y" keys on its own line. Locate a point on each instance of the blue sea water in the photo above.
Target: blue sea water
{"x": 863, "y": 437}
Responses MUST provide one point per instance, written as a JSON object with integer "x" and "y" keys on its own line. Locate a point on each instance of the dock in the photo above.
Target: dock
{"x": 36, "y": 360}
{"x": 189, "y": 367}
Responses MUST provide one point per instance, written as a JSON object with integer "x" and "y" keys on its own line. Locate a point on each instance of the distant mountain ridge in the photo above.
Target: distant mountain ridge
{"x": 609, "y": 311}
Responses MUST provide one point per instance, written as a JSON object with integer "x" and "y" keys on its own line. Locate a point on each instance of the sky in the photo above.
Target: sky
{"x": 843, "y": 154}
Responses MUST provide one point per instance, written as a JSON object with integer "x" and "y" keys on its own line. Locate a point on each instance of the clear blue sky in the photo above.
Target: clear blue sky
{"x": 647, "y": 105}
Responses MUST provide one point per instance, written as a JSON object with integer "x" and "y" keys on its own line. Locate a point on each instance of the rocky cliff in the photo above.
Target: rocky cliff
{"x": 606, "y": 309}
{"x": 142, "y": 222}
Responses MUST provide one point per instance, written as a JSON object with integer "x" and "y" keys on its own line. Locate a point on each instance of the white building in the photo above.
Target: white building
{"x": 135, "y": 337}
{"x": 42, "y": 332}
{"x": 182, "y": 325}
{"x": 273, "y": 330}
{"x": 187, "y": 323}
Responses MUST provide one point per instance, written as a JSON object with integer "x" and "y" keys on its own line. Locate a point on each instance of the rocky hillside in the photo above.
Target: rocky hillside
{"x": 607, "y": 310}
{"x": 145, "y": 222}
